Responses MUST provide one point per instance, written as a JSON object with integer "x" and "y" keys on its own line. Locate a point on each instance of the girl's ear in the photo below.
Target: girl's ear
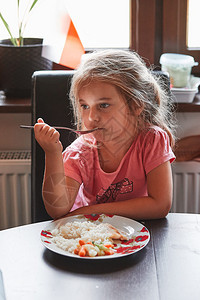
{"x": 139, "y": 110}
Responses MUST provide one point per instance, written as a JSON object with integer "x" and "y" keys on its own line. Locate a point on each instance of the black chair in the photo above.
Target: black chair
{"x": 50, "y": 101}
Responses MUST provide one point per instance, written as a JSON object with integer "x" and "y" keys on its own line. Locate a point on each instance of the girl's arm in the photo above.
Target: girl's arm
{"x": 156, "y": 205}
{"x": 59, "y": 192}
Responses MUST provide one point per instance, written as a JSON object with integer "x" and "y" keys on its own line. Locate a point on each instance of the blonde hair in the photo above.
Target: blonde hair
{"x": 137, "y": 84}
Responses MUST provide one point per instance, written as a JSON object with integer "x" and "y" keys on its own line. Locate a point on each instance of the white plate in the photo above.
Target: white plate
{"x": 138, "y": 233}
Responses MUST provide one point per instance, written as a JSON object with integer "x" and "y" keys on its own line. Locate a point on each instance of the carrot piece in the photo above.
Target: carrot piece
{"x": 81, "y": 242}
{"x": 109, "y": 252}
{"x": 76, "y": 251}
{"x": 82, "y": 251}
{"x": 109, "y": 246}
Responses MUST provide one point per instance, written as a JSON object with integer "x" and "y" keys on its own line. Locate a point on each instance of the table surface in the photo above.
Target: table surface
{"x": 167, "y": 268}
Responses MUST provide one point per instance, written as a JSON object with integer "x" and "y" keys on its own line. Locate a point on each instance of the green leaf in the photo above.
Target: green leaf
{"x": 18, "y": 41}
{"x": 13, "y": 40}
{"x": 100, "y": 246}
{"x": 33, "y": 4}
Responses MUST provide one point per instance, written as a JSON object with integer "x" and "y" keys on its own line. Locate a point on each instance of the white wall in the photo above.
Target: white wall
{"x": 12, "y": 137}
{"x": 188, "y": 124}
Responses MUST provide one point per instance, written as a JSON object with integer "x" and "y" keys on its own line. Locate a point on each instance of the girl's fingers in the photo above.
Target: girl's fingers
{"x": 42, "y": 128}
{"x": 51, "y": 131}
{"x": 38, "y": 126}
{"x": 48, "y": 137}
{"x": 47, "y": 131}
{"x": 55, "y": 136}
{"x": 40, "y": 120}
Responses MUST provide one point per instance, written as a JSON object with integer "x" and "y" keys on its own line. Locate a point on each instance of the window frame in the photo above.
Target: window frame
{"x": 156, "y": 28}
{"x": 159, "y": 26}
{"x": 175, "y": 30}
{"x": 146, "y": 29}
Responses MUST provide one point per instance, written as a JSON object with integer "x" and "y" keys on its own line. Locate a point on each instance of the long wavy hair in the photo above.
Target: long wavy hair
{"x": 140, "y": 88}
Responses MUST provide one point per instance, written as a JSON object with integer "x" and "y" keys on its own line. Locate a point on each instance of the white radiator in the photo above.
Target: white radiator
{"x": 15, "y": 188}
{"x": 186, "y": 180}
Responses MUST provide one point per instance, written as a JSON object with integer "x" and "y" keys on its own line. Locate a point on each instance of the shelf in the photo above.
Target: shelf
{"x": 15, "y": 105}
{"x": 187, "y": 107}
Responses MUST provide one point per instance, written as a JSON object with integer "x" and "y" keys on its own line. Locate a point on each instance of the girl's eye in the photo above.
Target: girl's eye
{"x": 104, "y": 105}
{"x": 84, "y": 106}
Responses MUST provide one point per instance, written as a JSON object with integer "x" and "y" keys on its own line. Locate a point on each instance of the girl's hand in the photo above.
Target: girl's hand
{"x": 47, "y": 137}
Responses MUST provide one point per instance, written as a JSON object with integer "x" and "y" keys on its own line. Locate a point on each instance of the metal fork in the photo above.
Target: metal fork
{"x": 64, "y": 128}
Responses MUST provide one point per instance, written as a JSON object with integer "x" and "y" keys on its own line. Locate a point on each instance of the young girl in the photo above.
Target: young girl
{"x": 123, "y": 168}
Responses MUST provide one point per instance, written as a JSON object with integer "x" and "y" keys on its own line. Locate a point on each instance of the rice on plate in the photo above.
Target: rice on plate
{"x": 93, "y": 238}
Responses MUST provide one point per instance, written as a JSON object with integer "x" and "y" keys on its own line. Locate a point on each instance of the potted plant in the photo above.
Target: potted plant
{"x": 20, "y": 57}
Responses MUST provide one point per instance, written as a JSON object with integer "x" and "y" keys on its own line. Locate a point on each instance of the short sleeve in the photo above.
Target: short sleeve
{"x": 71, "y": 162}
{"x": 78, "y": 159}
{"x": 156, "y": 149}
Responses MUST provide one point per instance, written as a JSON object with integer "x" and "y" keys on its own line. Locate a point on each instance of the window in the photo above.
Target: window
{"x": 151, "y": 27}
{"x": 176, "y": 29}
{"x": 193, "y": 36}
{"x": 100, "y": 24}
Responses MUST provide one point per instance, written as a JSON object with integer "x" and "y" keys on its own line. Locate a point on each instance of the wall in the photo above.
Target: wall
{"x": 188, "y": 124}
{"x": 12, "y": 137}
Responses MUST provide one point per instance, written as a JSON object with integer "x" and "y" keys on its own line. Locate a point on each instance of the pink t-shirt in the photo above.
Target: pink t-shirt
{"x": 149, "y": 149}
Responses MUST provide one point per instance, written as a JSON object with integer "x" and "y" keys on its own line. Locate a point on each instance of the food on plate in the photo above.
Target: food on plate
{"x": 93, "y": 249}
{"x": 115, "y": 233}
{"x": 87, "y": 238}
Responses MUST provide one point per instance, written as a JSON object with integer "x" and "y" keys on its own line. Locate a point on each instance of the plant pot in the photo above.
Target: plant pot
{"x": 17, "y": 65}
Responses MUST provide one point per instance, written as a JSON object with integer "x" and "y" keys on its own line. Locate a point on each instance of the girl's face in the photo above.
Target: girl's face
{"x": 102, "y": 106}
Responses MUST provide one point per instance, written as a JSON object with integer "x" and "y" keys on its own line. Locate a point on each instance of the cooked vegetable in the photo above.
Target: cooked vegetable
{"x": 93, "y": 249}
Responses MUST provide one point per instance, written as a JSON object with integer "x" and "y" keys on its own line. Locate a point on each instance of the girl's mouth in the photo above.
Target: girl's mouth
{"x": 100, "y": 128}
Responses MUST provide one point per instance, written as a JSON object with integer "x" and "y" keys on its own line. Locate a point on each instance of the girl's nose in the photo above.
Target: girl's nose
{"x": 93, "y": 114}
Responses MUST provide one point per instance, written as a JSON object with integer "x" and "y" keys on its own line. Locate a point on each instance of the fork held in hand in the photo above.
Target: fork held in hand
{"x": 64, "y": 128}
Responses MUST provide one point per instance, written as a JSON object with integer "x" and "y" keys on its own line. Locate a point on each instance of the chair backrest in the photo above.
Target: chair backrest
{"x": 50, "y": 101}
